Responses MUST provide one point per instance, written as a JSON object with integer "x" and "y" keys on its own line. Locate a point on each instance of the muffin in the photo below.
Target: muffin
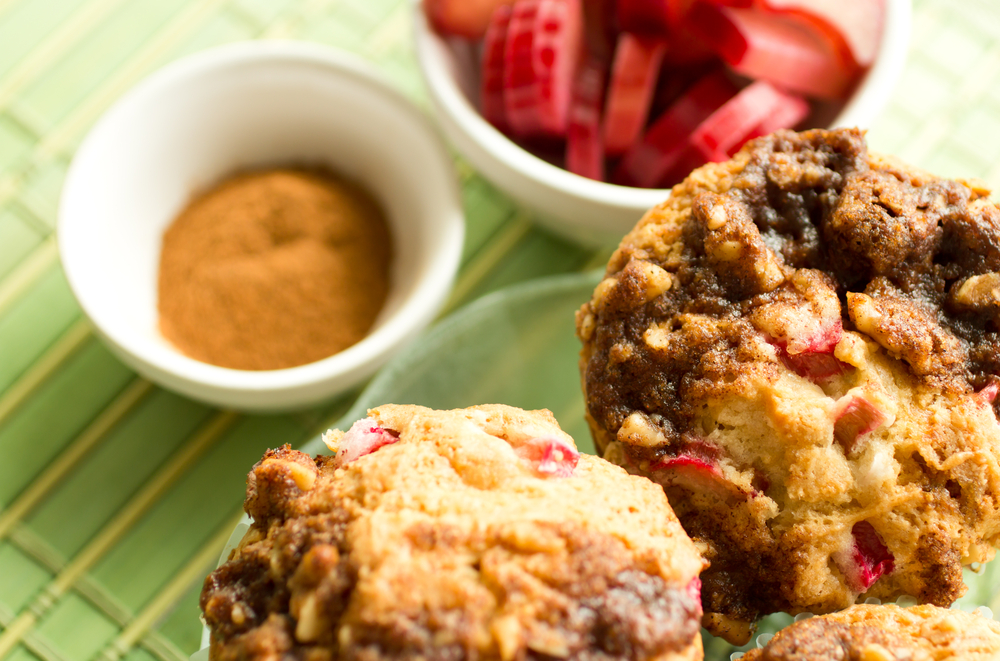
{"x": 801, "y": 347}
{"x": 448, "y": 535}
{"x": 886, "y": 633}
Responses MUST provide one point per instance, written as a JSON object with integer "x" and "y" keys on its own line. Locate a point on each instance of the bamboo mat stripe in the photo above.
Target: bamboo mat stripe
{"x": 68, "y": 344}
{"x": 114, "y": 530}
{"x": 115, "y": 496}
{"x": 28, "y": 272}
{"x": 68, "y": 459}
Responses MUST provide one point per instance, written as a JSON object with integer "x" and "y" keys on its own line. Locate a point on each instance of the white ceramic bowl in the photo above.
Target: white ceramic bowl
{"x": 243, "y": 106}
{"x": 588, "y": 211}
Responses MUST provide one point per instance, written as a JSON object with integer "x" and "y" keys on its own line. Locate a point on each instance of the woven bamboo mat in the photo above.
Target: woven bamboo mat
{"x": 116, "y": 496}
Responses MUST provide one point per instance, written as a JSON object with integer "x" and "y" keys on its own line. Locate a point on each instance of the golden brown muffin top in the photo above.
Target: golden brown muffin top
{"x": 886, "y": 633}
{"x": 476, "y": 533}
{"x": 800, "y": 345}
{"x": 795, "y": 221}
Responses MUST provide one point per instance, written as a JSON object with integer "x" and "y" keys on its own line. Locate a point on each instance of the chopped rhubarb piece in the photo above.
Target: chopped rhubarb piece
{"x": 688, "y": 461}
{"x": 662, "y": 17}
{"x": 790, "y": 111}
{"x": 694, "y": 589}
{"x": 491, "y": 88}
{"x": 364, "y": 437}
{"x": 826, "y": 340}
{"x": 649, "y": 17}
{"x": 815, "y": 328}
{"x": 988, "y": 393}
{"x": 696, "y": 467}
{"x": 868, "y": 559}
{"x": 695, "y": 474}
{"x": 462, "y": 18}
{"x": 685, "y": 49}
{"x": 814, "y": 366}
{"x": 674, "y": 82}
{"x": 540, "y": 60}
{"x": 633, "y": 78}
{"x": 808, "y": 349}
{"x": 690, "y": 159}
{"x": 725, "y": 130}
{"x": 853, "y": 26}
{"x": 678, "y": 10}
{"x": 665, "y": 145}
{"x": 584, "y": 144}
{"x": 856, "y": 416}
{"x": 600, "y": 28}
{"x": 549, "y": 456}
{"x": 779, "y": 49}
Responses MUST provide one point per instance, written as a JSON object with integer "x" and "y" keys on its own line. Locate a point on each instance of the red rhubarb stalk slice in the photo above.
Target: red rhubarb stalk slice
{"x": 600, "y": 28}
{"x": 694, "y": 473}
{"x": 685, "y": 49}
{"x": 696, "y": 467}
{"x": 856, "y": 417}
{"x": 549, "y": 456}
{"x": 630, "y": 94}
{"x": 462, "y": 18}
{"x": 364, "y": 437}
{"x": 491, "y": 89}
{"x": 779, "y": 49}
{"x": 662, "y": 18}
{"x": 678, "y": 10}
{"x": 854, "y": 27}
{"x": 694, "y": 589}
{"x": 810, "y": 353}
{"x": 648, "y": 17}
{"x": 540, "y": 60}
{"x": 789, "y": 112}
{"x": 697, "y": 475}
{"x": 814, "y": 366}
{"x": 988, "y": 393}
{"x": 664, "y": 146}
{"x": 584, "y": 144}
{"x": 725, "y": 130}
{"x": 869, "y": 558}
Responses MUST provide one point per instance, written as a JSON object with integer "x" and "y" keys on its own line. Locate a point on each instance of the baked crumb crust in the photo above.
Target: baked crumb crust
{"x": 800, "y": 341}
{"x": 446, "y": 544}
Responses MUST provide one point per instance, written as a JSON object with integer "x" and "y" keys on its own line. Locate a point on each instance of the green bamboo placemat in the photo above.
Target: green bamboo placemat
{"x": 116, "y": 496}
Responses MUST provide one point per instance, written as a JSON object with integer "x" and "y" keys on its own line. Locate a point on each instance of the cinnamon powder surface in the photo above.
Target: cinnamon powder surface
{"x": 274, "y": 269}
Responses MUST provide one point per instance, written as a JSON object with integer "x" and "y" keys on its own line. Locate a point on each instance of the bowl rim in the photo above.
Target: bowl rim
{"x": 414, "y": 312}
{"x": 869, "y": 97}
{"x": 874, "y": 89}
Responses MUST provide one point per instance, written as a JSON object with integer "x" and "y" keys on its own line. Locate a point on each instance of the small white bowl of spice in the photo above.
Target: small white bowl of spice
{"x": 260, "y": 226}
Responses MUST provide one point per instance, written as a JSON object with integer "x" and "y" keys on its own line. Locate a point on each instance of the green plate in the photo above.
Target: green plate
{"x": 516, "y": 346}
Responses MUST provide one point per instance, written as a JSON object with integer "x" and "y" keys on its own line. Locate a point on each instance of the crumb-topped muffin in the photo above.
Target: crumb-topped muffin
{"x": 886, "y": 633}
{"x": 449, "y": 535}
{"x": 801, "y": 346}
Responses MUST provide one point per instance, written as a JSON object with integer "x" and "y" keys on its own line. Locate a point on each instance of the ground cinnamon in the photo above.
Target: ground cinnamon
{"x": 274, "y": 269}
